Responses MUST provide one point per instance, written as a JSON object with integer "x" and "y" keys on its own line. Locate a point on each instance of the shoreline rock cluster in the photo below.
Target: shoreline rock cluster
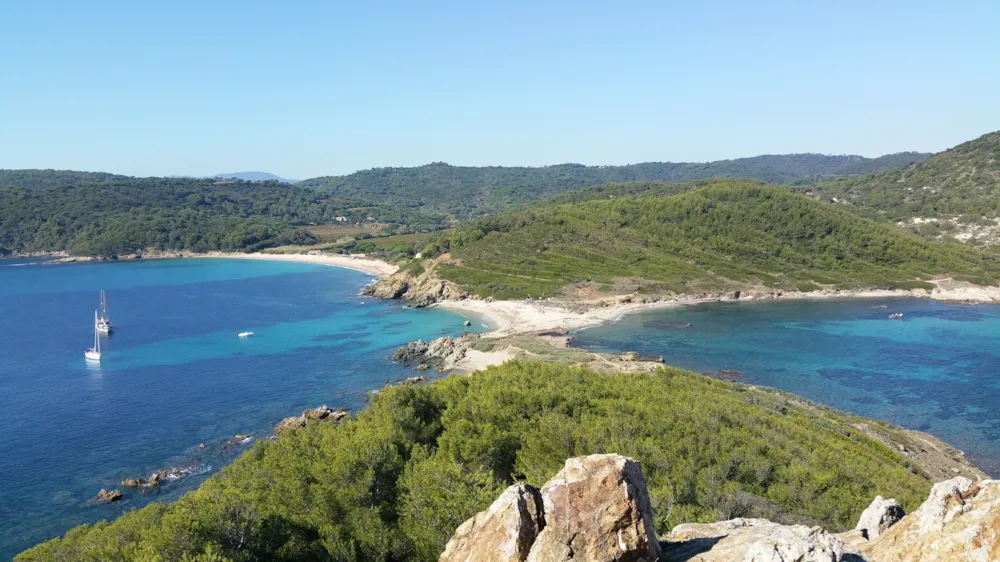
{"x": 443, "y": 354}
{"x": 597, "y": 508}
{"x": 420, "y": 291}
{"x": 321, "y": 414}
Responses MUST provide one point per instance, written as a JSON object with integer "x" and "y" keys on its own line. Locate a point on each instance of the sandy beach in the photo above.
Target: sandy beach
{"x": 505, "y": 318}
{"x": 371, "y": 266}
{"x": 512, "y": 317}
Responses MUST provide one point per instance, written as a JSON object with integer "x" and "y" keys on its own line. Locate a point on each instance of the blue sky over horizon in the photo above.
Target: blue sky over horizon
{"x": 308, "y": 88}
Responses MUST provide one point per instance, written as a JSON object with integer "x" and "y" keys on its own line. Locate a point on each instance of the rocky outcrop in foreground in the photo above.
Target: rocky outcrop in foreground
{"x": 755, "y": 540}
{"x": 959, "y": 521}
{"x": 505, "y": 531}
{"x": 597, "y": 509}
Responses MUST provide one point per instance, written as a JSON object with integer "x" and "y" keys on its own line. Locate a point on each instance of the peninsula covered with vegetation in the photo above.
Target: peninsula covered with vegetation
{"x": 709, "y": 237}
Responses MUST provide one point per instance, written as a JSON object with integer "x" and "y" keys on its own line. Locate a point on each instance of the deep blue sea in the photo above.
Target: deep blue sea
{"x": 174, "y": 374}
{"x": 936, "y": 370}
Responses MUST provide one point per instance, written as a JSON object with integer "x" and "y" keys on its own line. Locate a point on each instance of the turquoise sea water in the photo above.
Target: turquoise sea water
{"x": 937, "y": 370}
{"x": 173, "y": 375}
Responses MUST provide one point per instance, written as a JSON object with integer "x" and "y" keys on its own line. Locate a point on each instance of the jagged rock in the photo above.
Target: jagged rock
{"x": 878, "y": 517}
{"x": 504, "y": 532}
{"x": 133, "y": 482}
{"x": 315, "y": 414}
{"x": 442, "y": 353}
{"x": 154, "y": 479}
{"x": 287, "y": 424}
{"x": 323, "y": 413}
{"x": 410, "y": 352}
{"x": 421, "y": 291}
{"x": 959, "y": 521}
{"x": 415, "y": 380}
{"x": 755, "y": 540}
{"x": 597, "y": 509}
{"x": 108, "y": 496}
{"x": 392, "y": 287}
{"x": 628, "y": 356}
{"x": 422, "y": 367}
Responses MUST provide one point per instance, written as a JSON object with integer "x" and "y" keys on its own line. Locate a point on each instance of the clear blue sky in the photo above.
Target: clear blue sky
{"x": 307, "y": 88}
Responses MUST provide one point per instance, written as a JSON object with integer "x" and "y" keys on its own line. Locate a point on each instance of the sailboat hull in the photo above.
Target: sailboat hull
{"x": 92, "y": 355}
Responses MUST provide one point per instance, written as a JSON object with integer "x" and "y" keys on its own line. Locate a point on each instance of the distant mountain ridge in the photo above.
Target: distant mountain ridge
{"x": 443, "y": 188}
{"x": 254, "y": 176}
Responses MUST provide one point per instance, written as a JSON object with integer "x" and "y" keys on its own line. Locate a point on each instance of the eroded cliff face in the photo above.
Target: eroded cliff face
{"x": 597, "y": 509}
{"x": 420, "y": 290}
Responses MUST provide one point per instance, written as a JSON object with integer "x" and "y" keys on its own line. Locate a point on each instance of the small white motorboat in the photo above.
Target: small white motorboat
{"x": 246, "y": 334}
{"x": 896, "y": 316}
{"x": 94, "y": 353}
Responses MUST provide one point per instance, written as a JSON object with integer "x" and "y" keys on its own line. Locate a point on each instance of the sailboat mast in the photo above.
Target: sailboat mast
{"x": 104, "y": 306}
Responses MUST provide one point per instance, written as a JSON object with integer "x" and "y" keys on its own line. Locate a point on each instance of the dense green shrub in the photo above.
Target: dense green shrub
{"x": 394, "y": 483}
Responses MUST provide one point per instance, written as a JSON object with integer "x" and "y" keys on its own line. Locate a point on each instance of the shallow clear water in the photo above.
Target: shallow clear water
{"x": 173, "y": 374}
{"x": 937, "y": 370}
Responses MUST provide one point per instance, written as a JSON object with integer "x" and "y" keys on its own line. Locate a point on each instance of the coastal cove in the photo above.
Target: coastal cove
{"x": 933, "y": 371}
{"x": 174, "y": 375}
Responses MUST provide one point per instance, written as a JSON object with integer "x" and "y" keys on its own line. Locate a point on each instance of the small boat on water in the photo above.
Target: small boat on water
{"x": 246, "y": 334}
{"x": 94, "y": 353}
{"x": 896, "y": 316}
{"x": 102, "y": 322}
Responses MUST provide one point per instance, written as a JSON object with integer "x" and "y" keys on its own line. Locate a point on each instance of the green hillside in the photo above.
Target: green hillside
{"x": 394, "y": 484}
{"x": 962, "y": 183}
{"x": 728, "y": 234}
{"x": 33, "y": 179}
{"x": 463, "y": 190}
{"x": 106, "y": 215}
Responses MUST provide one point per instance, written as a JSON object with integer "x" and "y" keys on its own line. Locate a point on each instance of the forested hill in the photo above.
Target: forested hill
{"x": 99, "y": 214}
{"x": 462, "y": 190}
{"x": 132, "y": 214}
{"x": 724, "y": 235}
{"x": 960, "y": 188}
{"x": 32, "y": 179}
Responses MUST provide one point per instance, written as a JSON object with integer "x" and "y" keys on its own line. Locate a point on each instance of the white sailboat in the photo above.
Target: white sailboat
{"x": 103, "y": 322}
{"x": 245, "y": 334}
{"x": 94, "y": 353}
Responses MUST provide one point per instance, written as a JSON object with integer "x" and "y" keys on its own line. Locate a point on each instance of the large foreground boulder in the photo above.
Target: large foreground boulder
{"x": 502, "y": 533}
{"x": 959, "y": 521}
{"x": 596, "y": 509}
{"x": 755, "y": 540}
